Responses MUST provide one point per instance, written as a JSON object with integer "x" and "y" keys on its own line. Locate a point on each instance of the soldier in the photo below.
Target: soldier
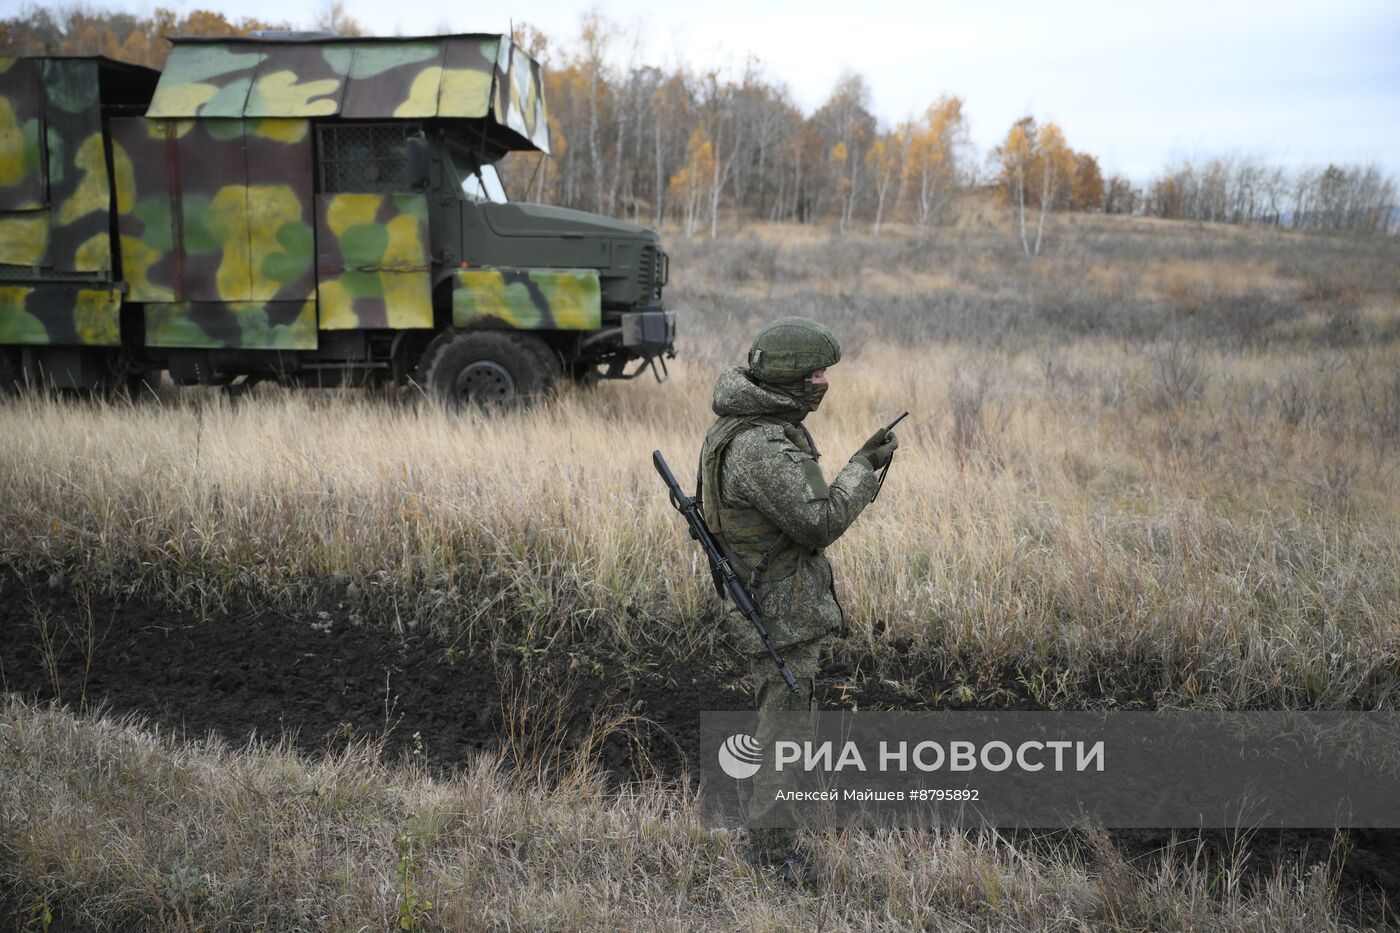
{"x": 772, "y": 511}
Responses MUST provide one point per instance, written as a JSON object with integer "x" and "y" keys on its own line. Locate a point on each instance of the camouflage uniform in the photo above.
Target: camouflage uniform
{"x": 766, "y": 499}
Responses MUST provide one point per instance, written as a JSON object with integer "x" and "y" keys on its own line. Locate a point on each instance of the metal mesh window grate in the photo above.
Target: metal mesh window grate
{"x": 364, "y": 157}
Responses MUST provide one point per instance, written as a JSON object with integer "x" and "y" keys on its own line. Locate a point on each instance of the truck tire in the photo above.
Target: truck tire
{"x": 487, "y": 368}
{"x": 585, "y": 377}
{"x": 11, "y": 380}
{"x": 143, "y": 386}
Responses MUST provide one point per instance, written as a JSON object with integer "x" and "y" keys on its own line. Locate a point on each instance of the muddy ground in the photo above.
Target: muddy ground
{"x": 322, "y": 681}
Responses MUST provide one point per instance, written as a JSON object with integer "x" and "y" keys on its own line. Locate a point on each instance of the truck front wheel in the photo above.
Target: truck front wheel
{"x": 487, "y": 368}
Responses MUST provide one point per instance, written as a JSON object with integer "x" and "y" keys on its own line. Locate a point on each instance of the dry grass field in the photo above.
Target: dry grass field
{"x": 1156, "y": 467}
{"x": 124, "y": 829}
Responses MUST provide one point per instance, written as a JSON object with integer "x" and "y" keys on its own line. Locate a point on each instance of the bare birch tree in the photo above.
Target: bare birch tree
{"x": 934, "y": 170}
{"x": 1056, "y": 167}
{"x": 1015, "y": 156}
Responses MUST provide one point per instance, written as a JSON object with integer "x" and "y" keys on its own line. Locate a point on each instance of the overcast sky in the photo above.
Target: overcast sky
{"x": 1133, "y": 82}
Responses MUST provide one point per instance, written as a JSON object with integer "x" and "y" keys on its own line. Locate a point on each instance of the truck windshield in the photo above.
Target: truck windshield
{"x": 485, "y": 185}
{"x": 479, "y": 182}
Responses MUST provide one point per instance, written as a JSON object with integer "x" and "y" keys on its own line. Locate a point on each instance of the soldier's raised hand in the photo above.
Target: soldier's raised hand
{"x": 877, "y": 451}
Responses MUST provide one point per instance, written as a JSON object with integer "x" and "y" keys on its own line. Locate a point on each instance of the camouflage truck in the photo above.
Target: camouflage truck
{"x": 307, "y": 208}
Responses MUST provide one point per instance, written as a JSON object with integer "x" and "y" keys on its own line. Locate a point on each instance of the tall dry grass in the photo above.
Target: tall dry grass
{"x": 1159, "y": 463}
{"x": 105, "y": 825}
{"x": 1207, "y": 521}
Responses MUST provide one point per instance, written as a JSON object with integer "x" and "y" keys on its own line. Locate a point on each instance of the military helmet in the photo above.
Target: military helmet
{"x": 792, "y": 348}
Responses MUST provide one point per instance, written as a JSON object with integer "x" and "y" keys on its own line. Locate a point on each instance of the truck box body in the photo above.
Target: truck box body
{"x": 257, "y": 210}
{"x": 58, "y": 282}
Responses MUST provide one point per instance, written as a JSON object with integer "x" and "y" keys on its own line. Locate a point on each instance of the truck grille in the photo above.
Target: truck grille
{"x": 651, "y": 271}
{"x": 646, "y": 271}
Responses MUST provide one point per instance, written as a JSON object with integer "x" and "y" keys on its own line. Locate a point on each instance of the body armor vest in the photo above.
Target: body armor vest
{"x": 758, "y": 550}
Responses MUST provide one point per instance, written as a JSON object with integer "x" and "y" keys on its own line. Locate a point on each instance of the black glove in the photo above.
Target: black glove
{"x": 877, "y": 451}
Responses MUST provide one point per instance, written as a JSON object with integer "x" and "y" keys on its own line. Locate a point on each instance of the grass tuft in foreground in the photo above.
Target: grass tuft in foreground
{"x": 105, "y": 825}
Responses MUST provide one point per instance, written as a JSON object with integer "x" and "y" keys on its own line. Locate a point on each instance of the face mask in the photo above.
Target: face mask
{"x": 808, "y": 393}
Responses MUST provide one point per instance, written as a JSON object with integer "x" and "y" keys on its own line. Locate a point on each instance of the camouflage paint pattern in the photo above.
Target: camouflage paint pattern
{"x": 297, "y": 82}
{"x": 55, "y": 201}
{"x": 55, "y": 206}
{"x": 80, "y": 198}
{"x": 47, "y": 313}
{"x": 373, "y": 266}
{"x": 206, "y": 80}
{"x": 206, "y": 176}
{"x": 399, "y": 80}
{"x": 468, "y": 77}
{"x": 248, "y": 325}
{"x": 529, "y": 299}
{"x": 24, "y": 238}
{"x": 520, "y": 96}
{"x": 468, "y": 74}
{"x": 282, "y": 249}
{"x": 216, "y": 229}
{"x": 23, "y": 179}
{"x": 146, "y": 218}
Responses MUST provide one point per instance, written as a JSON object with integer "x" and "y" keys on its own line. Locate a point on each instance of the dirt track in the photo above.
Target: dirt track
{"x": 323, "y": 680}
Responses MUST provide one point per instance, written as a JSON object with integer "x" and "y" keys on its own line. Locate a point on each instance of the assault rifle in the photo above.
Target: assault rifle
{"x": 725, "y": 579}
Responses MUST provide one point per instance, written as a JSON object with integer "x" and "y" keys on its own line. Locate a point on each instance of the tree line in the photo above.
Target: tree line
{"x": 691, "y": 146}
{"x": 652, "y": 144}
{"x": 121, "y": 36}
{"x": 1245, "y": 190}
